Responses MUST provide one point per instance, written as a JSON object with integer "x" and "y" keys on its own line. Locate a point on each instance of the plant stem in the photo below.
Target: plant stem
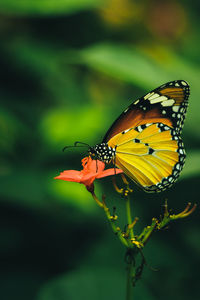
{"x": 99, "y": 203}
{"x": 129, "y": 285}
{"x": 130, "y": 253}
{"x": 129, "y": 217}
{"x": 115, "y": 229}
{"x": 130, "y": 276}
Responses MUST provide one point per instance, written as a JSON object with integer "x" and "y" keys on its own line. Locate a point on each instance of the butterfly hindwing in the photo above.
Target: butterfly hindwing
{"x": 152, "y": 156}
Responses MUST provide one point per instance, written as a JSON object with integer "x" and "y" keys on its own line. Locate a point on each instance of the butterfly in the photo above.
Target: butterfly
{"x": 145, "y": 139}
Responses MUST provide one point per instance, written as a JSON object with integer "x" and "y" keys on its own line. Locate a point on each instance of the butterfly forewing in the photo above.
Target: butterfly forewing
{"x": 167, "y": 104}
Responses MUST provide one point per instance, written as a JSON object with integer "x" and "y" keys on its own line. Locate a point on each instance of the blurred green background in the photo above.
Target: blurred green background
{"x": 68, "y": 69}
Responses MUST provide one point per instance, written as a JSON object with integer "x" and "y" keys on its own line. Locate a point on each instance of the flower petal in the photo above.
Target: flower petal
{"x": 92, "y": 166}
{"x": 88, "y": 179}
{"x": 109, "y": 172}
{"x": 97, "y": 166}
{"x": 70, "y": 175}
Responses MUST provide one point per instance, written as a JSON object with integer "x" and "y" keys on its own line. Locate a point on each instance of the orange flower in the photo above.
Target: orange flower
{"x": 92, "y": 169}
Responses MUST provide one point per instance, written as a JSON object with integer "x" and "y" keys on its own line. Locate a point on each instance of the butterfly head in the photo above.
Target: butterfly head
{"x": 102, "y": 152}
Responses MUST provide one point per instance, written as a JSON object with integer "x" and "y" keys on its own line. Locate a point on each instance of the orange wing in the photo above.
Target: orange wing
{"x": 167, "y": 104}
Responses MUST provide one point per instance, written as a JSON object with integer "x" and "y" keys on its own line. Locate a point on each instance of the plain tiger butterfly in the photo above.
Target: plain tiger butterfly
{"x": 145, "y": 139}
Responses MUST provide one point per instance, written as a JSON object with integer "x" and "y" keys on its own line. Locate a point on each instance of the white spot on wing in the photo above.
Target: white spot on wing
{"x": 169, "y": 102}
{"x": 147, "y": 96}
{"x": 181, "y": 151}
{"x": 159, "y": 99}
{"x": 183, "y": 83}
{"x": 136, "y": 102}
{"x": 175, "y": 108}
{"x": 163, "y": 98}
{"x": 127, "y": 130}
{"x": 154, "y": 96}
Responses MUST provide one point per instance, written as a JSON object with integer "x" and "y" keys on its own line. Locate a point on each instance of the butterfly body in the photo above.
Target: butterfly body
{"x": 145, "y": 140}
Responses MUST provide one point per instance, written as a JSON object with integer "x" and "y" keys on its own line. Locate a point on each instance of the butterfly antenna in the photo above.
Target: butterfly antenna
{"x": 76, "y": 145}
{"x": 81, "y": 143}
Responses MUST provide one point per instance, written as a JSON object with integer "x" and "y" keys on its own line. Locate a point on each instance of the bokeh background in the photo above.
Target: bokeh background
{"x": 68, "y": 69}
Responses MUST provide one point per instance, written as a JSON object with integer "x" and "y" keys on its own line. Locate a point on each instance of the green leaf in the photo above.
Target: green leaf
{"x": 73, "y": 193}
{"x": 46, "y": 7}
{"x": 123, "y": 63}
{"x": 31, "y": 188}
{"x": 146, "y": 69}
{"x": 60, "y": 127}
{"x": 135, "y": 65}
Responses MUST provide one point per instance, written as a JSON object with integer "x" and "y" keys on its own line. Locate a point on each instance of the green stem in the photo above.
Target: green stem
{"x": 147, "y": 232}
{"x": 130, "y": 277}
{"x": 129, "y": 285}
{"x": 99, "y": 203}
{"x": 130, "y": 265}
{"x": 111, "y": 219}
{"x": 115, "y": 229}
{"x": 129, "y": 217}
